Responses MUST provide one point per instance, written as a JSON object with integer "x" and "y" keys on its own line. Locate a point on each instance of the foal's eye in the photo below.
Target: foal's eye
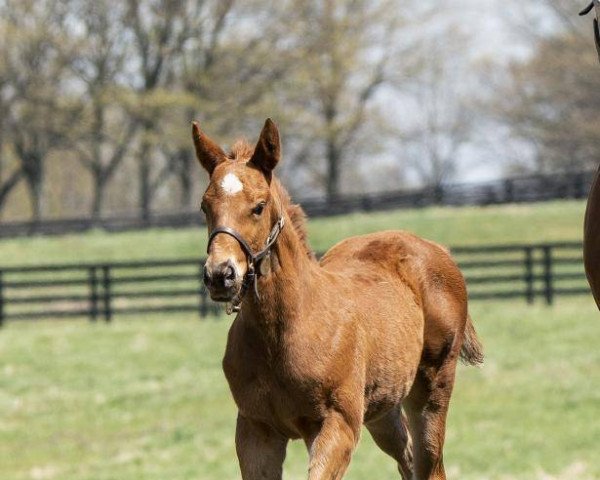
{"x": 259, "y": 208}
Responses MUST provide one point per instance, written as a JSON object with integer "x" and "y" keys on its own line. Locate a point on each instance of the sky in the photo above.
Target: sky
{"x": 496, "y": 33}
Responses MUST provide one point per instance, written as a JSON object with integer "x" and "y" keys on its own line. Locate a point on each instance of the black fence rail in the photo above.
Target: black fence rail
{"x": 530, "y": 272}
{"x": 534, "y": 188}
{"x": 101, "y": 291}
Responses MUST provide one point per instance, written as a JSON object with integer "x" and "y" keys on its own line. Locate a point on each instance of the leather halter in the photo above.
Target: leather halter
{"x": 254, "y": 259}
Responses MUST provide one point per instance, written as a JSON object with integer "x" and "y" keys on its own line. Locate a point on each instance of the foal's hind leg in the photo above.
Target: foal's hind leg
{"x": 390, "y": 433}
{"x": 426, "y": 408}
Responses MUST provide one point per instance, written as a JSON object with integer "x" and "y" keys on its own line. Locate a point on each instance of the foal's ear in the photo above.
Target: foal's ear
{"x": 208, "y": 152}
{"x": 268, "y": 149}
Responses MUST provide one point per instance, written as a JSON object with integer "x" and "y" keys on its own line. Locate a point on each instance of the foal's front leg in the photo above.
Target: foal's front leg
{"x": 331, "y": 448}
{"x": 260, "y": 450}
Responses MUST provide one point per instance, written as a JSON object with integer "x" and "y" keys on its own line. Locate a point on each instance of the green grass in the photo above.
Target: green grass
{"x": 543, "y": 222}
{"x": 146, "y": 399}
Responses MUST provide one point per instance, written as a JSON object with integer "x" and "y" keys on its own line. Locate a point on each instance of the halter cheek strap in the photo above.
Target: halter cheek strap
{"x": 254, "y": 259}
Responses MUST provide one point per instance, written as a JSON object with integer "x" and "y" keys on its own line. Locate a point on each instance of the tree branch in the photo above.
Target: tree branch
{"x": 9, "y": 184}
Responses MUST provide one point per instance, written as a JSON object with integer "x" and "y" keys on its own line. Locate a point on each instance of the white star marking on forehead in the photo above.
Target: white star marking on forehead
{"x": 231, "y": 184}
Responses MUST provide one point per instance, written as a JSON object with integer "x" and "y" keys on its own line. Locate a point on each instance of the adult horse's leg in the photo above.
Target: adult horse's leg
{"x": 426, "y": 408}
{"x": 390, "y": 433}
{"x": 260, "y": 450}
{"x": 331, "y": 447}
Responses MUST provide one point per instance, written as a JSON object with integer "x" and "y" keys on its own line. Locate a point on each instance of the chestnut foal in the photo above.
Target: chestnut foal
{"x": 370, "y": 334}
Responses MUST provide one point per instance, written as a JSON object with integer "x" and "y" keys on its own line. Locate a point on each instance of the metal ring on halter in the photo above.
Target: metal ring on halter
{"x": 253, "y": 272}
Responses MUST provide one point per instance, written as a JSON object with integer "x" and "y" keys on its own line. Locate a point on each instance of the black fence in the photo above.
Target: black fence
{"x": 538, "y": 272}
{"x": 101, "y": 291}
{"x": 535, "y": 188}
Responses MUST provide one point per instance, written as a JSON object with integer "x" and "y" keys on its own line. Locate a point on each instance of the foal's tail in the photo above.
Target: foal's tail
{"x": 471, "y": 352}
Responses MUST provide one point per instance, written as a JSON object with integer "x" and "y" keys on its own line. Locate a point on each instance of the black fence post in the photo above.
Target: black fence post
{"x": 93, "y": 284}
{"x": 106, "y": 282}
{"x": 438, "y": 195}
{"x": 365, "y": 203}
{"x": 1, "y": 298}
{"x": 529, "y": 278}
{"x": 509, "y": 190}
{"x": 548, "y": 280}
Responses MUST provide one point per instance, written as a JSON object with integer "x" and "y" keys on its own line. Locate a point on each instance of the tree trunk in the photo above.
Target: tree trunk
{"x": 98, "y": 199}
{"x": 33, "y": 171}
{"x": 144, "y": 174}
{"x": 8, "y": 186}
{"x": 187, "y": 159}
{"x": 97, "y": 170}
{"x": 144, "y": 178}
{"x": 333, "y": 171}
{"x": 185, "y": 177}
{"x": 35, "y": 196}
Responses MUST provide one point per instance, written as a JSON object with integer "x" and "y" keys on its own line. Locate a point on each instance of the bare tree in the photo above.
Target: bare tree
{"x": 8, "y": 180}
{"x": 34, "y": 65}
{"x": 213, "y": 72}
{"x": 441, "y": 120}
{"x": 199, "y": 61}
{"x": 343, "y": 52}
{"x": 114, "y": 84}
{"x": 105, "y": 132}
{"x": 161, "y": 31}
{"x": 551, "y": 101}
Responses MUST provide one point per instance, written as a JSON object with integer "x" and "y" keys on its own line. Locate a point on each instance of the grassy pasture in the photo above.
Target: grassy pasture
{"x": 146, "y": 399}
{"x": 543, "y": 222}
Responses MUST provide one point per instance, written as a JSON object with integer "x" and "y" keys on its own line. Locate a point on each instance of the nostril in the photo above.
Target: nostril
{"x": 229, "y": 273}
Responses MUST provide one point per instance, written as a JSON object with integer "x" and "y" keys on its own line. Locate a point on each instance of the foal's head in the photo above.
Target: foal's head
{"x": 239, "y": 197}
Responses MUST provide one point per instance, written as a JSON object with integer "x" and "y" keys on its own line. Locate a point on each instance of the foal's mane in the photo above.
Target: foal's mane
{"x": 241, "y": 151}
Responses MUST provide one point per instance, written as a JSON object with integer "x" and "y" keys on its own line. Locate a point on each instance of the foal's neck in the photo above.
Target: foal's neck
{"x": 282, "y": 289}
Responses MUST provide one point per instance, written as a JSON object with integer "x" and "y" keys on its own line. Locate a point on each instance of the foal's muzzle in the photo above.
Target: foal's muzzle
{"x": 231, "y": 287}
{"x": 222, "y": 281}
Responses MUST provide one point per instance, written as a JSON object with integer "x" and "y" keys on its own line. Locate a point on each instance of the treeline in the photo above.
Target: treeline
{"x": 549, "y": 102}
{"x": 96, "y": 97}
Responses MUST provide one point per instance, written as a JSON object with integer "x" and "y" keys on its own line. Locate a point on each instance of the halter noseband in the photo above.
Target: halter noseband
{"x": 254, "y": 259}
